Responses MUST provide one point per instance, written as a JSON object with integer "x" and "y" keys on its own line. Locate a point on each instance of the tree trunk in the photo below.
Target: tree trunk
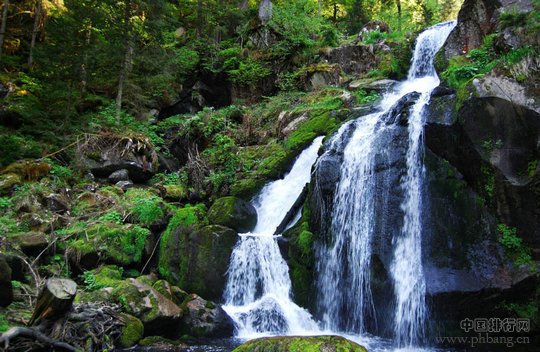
{"x": 200, "y": 15}
{"x": 37, "y": 18}
{"x": 55, "y": 298}
{"x": 319, "y": 12}
{"x": 335, "y": 11}
{"x": 3, "y": 26}
{"x": 84, "y": 64}
{"x": 126, "y": 62}
{"x": 244, "y": 5}
{"x": 399, "y": 14}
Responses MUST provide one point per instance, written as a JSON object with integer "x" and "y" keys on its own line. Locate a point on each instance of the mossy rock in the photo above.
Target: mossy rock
{"x": 158, "y": 313}
{"x": 131, "y": 331}
{"x": 102, "y": 295}
{"x": 121, "y": 244}
{"x": 161, "y": 343}
{"x": 300, "y": 344}
{"x": 197, "y": 259}
{"x": 203, "y": 318}
{"x": 174, "y": 293}
{"x": 8, "y": 182}
{"x": 107, "y": 276}
{"x": 184, "y": 220}
{"x": 175, "y": 192}
{"x": 233, "y": 212}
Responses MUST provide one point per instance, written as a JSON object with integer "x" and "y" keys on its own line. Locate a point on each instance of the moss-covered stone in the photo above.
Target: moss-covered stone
{"x": 197, "y": 259}
{"x": 301, "y": 344}
{"x": 8, "y": 182}
{"x": 158, "y": 313}
{"x": 203, "y": 318}
{"x": 184, "y": 220}
{"x": 107, "y": 276}
{"x": 160, "y": 343}
{"x": 174, "y": 293}
{"x": 233, "y": 212}
{"x": 131, "y": 331}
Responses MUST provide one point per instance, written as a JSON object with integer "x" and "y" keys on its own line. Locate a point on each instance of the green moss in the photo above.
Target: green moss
{"x": 108, "y": 276}
{"x": 131, "y": 331}
{"x": 4, "y": 324}
{"x": 300, "y": 344}
{"x": 187, "y": 218}
{"x": 146, "y": 207}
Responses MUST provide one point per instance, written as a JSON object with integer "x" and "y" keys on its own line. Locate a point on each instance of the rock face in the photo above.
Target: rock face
{"x": 6, "y": 290}
{"x": 233, "y": 212}
{"x": 475, "y": 21}
{"x": 296, "y": 343}
{"x": 205, "y": 319}
{"x": 353, "y": 59}
{"x": 196, "y": 257}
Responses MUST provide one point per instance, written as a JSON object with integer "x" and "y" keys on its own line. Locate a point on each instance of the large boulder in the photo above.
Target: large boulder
{"x": 159, "y": 315}
{"x": 6, "y": 289}
{"x": 197, "y": 259}
{"x": 354, "y": 59}
{"x": 475, "y": 21}
{"x": 107, "y": 153}
{"x": 203, "y": 318}
{"x": 233, "y": 212}
{"x": 297, "y": 343}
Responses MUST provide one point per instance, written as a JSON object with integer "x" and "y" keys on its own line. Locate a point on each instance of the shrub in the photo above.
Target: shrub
{"x": 514, "y": 246}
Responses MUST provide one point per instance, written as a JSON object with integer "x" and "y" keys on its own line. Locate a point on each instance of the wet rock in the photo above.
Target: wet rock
{"x": 119, "y": 175}
{"x": 296, "y": 343}
{"x": 159, "y": 315}
{"x": 174, "y": 293}
{"x": 293, "y": 125}
{"x": 233, "y": 212}
{"x": 205, "y": 319}
{"x": 17, "y": 266}
{"x": 6, "y": 289}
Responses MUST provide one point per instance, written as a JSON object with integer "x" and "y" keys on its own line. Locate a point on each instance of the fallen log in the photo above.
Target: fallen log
{"x": 56, "y": 298}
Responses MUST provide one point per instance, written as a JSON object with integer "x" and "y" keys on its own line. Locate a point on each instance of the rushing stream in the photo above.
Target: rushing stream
{"x": 258, "y": 292}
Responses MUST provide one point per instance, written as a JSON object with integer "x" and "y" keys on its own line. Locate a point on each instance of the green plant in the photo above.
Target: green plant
{"x": 4, "y": 324}
{"x": 531, "y": 167}
{"x": 514, "y": 246}
{"x": 5, "y": 202}
{"x": 112, "y": 217}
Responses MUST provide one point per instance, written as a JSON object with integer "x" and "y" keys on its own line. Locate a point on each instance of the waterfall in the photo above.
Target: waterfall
{"x": 258, "y": 292}
{"x": 344, "y": 262}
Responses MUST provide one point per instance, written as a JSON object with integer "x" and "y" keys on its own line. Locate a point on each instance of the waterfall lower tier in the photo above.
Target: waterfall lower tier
{"x": 258, "y": 292}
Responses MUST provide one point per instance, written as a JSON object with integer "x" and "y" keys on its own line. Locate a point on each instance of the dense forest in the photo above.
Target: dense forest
{"x": 135, "y": 136}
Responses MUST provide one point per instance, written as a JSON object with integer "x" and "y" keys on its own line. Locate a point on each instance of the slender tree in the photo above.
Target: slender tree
{"x": 35, "y": 30}
{"x": 129, "y": 42}
{"x": 3, "y": 26}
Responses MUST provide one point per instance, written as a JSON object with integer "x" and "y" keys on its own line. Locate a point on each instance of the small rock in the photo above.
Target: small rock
{"x": 57, "y": 203}
{"x": 119, "y": 175}
{"x": 8, "y": 182}
{"x": 32, "y": 243}
{"x": 206, "y": 319}
{"x": 6, "y": 289}
{"x": 381, "y": 85}
{"x": 124, "y": 185}
{"x": 293, "y": 125}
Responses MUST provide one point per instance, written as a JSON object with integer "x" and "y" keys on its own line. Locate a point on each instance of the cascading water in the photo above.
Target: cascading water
{"x": 258, "y": 291}
{"x": 344, "y": 262}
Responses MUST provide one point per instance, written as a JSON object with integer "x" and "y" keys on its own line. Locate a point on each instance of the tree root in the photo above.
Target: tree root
{"x": 34, "y": 334}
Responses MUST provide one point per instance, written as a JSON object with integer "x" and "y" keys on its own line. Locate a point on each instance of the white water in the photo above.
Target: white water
{"x": 345, "y": 263}
{"x": 258, "y": 292}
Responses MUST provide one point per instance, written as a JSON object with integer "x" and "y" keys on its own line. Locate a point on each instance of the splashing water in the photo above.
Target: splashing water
{"x": 258, "y": 291}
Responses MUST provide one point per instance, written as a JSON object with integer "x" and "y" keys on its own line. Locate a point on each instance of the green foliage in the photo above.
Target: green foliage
{"x": 4, "y": 324}
{"x": 105, "y": 276}
{"x": 531, "y": 167}
{"x": 514, "y": 246}
{"x": 248, "y": 73}
{"x": 14, "y": 147}
{"x": 146, "y": 207}
{"x": 5, "y": 202}
{"x": 512, "y": 18}
{"x": 112, "y": 216}
{"x": 363, "y": 97}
